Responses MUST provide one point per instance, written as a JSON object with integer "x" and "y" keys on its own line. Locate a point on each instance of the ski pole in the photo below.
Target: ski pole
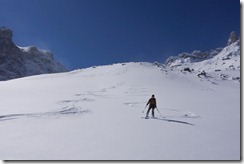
{"x": 144, "y": 109}
{"x": 159, "y": 112}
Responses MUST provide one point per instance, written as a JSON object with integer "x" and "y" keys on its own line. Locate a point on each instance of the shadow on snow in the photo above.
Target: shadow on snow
{"x": 176, "y": 121}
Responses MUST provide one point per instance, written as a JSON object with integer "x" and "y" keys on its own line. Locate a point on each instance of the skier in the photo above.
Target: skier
{"x": 152, "y": 105}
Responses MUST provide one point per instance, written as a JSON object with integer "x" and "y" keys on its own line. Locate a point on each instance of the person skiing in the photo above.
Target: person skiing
{"x": 152, "y": 105}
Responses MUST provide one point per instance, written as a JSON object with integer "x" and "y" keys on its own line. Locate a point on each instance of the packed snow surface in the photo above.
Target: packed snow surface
{"x": 96, "y": 114}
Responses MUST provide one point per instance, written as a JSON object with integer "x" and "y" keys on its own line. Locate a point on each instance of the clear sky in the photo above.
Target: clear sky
{"x": 83, "y": 33}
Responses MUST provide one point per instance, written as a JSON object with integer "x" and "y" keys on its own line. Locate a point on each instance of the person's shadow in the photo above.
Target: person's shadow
{"x": 176, "y": 121}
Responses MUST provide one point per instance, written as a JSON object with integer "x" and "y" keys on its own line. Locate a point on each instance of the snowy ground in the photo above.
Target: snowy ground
{"x": 96, "y": 114}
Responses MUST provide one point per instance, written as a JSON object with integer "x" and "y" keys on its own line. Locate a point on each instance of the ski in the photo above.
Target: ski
{"x": 153, "y": 117}
{"x": 149, "y": 117}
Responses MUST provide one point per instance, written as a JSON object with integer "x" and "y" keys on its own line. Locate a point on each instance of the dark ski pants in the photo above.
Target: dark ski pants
{"x": 151, "y": 107}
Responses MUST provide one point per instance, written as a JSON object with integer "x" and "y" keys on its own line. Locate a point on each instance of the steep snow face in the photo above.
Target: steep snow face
{"x": 16, "y": 62}
{"x": 227, "y": 59}
{"x": 223, "y": 65}
{"x": 232, "y": 49}
{"x": 96, "y": 114}
{"x": 195, "y": 56}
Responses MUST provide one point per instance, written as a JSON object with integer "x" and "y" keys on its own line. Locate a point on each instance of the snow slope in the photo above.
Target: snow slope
{"x": 96, "y": 114}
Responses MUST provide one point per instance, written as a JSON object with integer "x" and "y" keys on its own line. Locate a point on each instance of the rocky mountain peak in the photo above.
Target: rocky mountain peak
{"x": 6, "y": 43}
{"x": 16, "y": 62}
{"x": 198, "y": 56}
{"x": 232, "y": 38}
{"x": 5, "y": 35}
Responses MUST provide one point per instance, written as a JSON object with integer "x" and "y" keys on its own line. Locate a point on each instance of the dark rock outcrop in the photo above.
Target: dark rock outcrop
{"x": 232, "y": 38}
{"x": 16, "y": 62}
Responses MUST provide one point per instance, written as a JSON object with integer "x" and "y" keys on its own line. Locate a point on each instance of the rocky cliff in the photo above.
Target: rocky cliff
{"x": 16, "y": 62}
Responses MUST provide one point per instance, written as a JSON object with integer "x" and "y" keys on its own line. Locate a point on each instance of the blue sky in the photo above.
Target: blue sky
{"x": 83, "y": 33}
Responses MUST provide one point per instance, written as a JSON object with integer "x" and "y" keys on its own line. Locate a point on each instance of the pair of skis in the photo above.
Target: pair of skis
{"x": 157, "y": 110}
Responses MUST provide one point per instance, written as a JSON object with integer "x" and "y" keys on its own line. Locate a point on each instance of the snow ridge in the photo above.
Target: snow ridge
{"x": 222, "y": 63}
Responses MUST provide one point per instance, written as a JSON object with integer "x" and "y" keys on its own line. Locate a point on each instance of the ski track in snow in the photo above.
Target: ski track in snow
{"x": 58, "y": 114}
{"x": 70, "y": 106}
{"x": 109, "y": 113}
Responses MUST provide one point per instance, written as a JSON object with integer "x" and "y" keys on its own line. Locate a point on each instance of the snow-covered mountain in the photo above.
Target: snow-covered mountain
{"x": 98, "y": 113}
{"x": 224, "y": 62}
{"x": 195, "y": 56}
{"x": 16, "y": 62}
